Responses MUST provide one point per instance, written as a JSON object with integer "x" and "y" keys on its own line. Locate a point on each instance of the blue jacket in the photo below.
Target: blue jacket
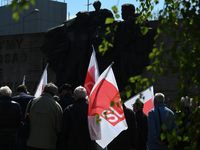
{"x": 23, "y": 100}
{"x": 154, "y": 126}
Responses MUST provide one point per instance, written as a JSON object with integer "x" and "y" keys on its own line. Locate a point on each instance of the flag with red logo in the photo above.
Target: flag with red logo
{"x": 105, "y": 92}
{"x": 42, "y": 83}
{"x": 92, "y": 74}
{"x": 146, "y": 97}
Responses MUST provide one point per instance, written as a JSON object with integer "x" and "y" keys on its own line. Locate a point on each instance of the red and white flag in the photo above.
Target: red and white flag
{"x": 24, "y": 78}
{"x": 103, "y": 93}
{"x": 42, "y": 83}
{"x": 146, "y": 97}
{"x": 92, "y": 73}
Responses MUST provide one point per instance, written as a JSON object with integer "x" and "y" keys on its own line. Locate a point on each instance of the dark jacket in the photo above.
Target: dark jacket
{"x": 66, "y": 100}
{"x": 127, "y": 139}
{"x": 142, "y": 125}
{"x": 23, "y": 100}
{"x": 75, "y": 133}
{"x": 10, "y": 118}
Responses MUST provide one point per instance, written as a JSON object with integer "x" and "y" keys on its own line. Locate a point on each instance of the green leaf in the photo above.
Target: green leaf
{"x": 112, "y": 103}
{"x": 151, "y": 55}
{"x": 159, "y": 30}
{"x": 144, "y": 30}
{"x": 109, "y": 20}
{"x": 149, "y": 68}
{"x": 162, "y": 136}
{"x": 98, "y": 120}
{"x": 15, "y": 15}
{"x": 117, "y": 15}
{"x": 185, "y": 138}
{"x": 32, "y": 2}
{"x": 153, "y": 78}
{"x": 115, "y": 10}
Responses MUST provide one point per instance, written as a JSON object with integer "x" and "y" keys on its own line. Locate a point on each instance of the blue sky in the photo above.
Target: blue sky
{"x": 74, "y": 6}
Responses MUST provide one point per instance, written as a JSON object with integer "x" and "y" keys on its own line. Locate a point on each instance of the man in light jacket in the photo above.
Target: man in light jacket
{"x": 45, "y": 120}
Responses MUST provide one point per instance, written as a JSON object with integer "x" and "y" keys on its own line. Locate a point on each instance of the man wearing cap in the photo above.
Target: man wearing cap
{"x": 142, "y": 124}
{"x": 66, "y": 97}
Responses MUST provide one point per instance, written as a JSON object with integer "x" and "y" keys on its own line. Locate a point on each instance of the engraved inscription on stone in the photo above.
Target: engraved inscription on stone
{"x": 13, "y": 58}
{"x": 11, "y": 44}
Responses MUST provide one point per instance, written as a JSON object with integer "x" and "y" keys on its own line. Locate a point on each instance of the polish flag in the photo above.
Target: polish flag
{"x": 112, "y": 118}
{"x": 43, "y": 82}
{"x": 146, "y": 97}
{"x": 24, "y": 78}
{"x": 92, "y": 73}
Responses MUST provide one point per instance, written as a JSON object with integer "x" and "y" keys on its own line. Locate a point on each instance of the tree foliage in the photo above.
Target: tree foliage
{"x": 183, "y": 57}
{"x": 18, "y": 6}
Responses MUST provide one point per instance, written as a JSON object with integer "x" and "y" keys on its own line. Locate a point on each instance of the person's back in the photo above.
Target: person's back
{"x": 10, "y": 118}
{"x": 127, "y": 139}
{"x": 22, "y": 98}
{"x": 142, "y": 124}
{"x": 75, "y": 133}
{"x": 154, "y": 126}
{"x": 45, "y": 120}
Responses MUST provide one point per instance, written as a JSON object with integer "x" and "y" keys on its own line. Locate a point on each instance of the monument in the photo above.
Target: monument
{"x": 69, "y": 46}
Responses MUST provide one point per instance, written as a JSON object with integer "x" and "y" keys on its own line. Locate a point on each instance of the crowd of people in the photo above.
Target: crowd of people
{"x": 61, "y": 123}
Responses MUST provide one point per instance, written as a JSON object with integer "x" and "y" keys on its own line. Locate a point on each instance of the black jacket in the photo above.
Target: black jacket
{"x": 127, "y": 139}
{"x": 142, "y": 124}
{"x": 75, "y": 132}
{"x": 10, "y": 118}
{"x": 66, "y": 100}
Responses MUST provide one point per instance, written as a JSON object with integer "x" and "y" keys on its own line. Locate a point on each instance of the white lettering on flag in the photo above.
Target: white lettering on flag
{"x": 103, "y": 93}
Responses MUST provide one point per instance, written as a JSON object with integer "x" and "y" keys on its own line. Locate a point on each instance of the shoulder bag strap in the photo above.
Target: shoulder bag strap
{"x": 29, "y": 107}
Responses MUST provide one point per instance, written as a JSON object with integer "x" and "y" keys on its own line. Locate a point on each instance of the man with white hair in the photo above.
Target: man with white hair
{"x": 10, "y": 118}
{"x": 156, "y": 118}
{"x": 75, "y": 133}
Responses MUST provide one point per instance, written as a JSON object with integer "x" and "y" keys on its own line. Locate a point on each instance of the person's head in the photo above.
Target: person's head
{"x": 138, "y": 105}
{"x": 51, "y": 89}
{"x": 127, "y": 10}
{"x": 21, "y": 88}
{"x": 65, "y": 88}
{"x": 159, "y": 98}
{"x": 5, "y": 91}
{"x": 79, "y": 92}
{"x": 97, "y": 5}
{"x": 186, "y": 101}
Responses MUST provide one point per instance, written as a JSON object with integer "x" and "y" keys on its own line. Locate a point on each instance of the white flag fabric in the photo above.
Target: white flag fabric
{"x": 103, "y": 93}
{"x": 24, "y": 78}
{"x": 42, "y": 83}
{"x": 146, "y": 97}
{"x": 92, "y": 73}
